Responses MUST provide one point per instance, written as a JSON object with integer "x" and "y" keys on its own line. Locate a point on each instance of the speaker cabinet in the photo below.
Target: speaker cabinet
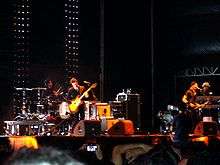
{"x": 206, "y": 128}
{"x": 133, "y": 110}
{"x": 122, "y": 127}
{"x": 87, "y": 128}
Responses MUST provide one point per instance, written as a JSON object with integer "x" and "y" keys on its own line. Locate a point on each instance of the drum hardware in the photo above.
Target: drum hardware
{"x": 38, "y": 88}
{"x": 20, "y": 117}
{"x": 34, "y": 103}
{"x": 42, "y": 117}
{"x": 60, "y": 128}
{"x": 22, "y": 100}
{"x": 46, "y": 129}
{"x": 23, "y": 127}
{"x": 90, "y": 111}
{"x": 166, "y": 121}
{"x": 32, "y": 106}
{"x": 23, "y": 89}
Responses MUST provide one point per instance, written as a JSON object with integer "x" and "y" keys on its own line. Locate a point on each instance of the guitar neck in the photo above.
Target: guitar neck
{"x": 85, "y": 92}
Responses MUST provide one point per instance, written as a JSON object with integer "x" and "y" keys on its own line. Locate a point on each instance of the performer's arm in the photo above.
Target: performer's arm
{"x": 185, "y": 100}
{"x": 188, "y": 103}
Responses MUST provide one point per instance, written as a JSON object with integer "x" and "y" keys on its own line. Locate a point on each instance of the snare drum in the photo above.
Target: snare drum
{"x": 64, "y": 110}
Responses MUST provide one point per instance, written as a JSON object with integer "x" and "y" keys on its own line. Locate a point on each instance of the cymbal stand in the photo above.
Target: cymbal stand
{"x": 24, "y": 101}
{"x": 40, "y": 106}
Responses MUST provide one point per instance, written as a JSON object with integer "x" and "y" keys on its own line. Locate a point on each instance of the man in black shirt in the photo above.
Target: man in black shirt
{"x": 50, "y": 95}
{"x": 74, "y": 93}
{"x": 185, "y": 122}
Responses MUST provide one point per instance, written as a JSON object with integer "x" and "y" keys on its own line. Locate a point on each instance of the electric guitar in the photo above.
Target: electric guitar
{"x": 199, "y": 106}
{"x": 73, "y": 106}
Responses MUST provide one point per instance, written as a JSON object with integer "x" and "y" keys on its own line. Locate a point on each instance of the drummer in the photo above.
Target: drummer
{"x": 51, "y": 96}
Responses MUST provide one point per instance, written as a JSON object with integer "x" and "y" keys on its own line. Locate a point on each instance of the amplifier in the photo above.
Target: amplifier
{"x": 133, "y": 110}
{"x": 118, "y": 109}
{"x": 103, "y": 109}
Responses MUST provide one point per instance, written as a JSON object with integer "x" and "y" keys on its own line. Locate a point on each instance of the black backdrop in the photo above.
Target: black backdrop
{"x": 185, "y": 35}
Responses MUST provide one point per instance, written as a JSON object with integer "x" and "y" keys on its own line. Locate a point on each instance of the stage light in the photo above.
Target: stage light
{"x": 71, "y": 36}
{"x": 21, "y": 33}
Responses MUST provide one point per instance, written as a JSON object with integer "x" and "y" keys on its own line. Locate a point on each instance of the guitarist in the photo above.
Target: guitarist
{"x": 185, "y": 122}
{"x": 73, "y": 92}
{"x": 189, "y": 99}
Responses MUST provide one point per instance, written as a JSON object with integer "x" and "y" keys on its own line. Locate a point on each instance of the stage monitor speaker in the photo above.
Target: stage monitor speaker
{"x": 107, "y": 124}
{"x": 133, "y": 111}
{"x": 206, "y": 128}
{"x": 87, "y": 128}
{"x": 122, "y": 127}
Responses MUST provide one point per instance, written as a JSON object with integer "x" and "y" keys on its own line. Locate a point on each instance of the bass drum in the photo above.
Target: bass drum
{"x": 64, "y": 111}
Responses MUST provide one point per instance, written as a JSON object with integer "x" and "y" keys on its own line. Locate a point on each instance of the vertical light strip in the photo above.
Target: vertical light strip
{"x": 21, "y": 35}
{"x": 71, "y": 37}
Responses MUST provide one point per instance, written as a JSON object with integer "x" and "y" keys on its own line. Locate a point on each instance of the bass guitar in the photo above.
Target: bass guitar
{"x": 73, "y": 106}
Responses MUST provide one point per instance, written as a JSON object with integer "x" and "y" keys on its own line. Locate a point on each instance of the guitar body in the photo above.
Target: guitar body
{"x": 73, "y": 107}
{"x": 199, "y": 106}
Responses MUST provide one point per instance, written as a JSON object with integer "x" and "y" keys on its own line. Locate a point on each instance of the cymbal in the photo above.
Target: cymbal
{"x": 23, "y": 89}
{"x": 38, "y": 88}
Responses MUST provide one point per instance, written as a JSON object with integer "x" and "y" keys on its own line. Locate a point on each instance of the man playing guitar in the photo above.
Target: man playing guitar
{"x": 75, "y": 96}
{"x": 73, "y": 92}
{"x": 185, "y": 122}
{"x": 189, "y": 98}
{"x": 192, "y": 107}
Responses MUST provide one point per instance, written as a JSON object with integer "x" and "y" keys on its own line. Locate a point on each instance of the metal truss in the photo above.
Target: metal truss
{"x": 199, "y": 72}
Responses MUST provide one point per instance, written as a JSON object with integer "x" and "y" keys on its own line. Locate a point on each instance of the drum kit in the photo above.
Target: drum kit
{"x": 32, "y": 105}
{"x": 52, "y": 114}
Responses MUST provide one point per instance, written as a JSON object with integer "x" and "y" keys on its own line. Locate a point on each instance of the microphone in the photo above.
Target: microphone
{"x": 86, "y": 82}
{"x": 199, "y": 88}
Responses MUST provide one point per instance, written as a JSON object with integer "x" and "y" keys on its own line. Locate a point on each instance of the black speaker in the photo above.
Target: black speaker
{"x": 87, "y": 128}
{"x": 133, "y": 110}
{"x": 206, "y": 128}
